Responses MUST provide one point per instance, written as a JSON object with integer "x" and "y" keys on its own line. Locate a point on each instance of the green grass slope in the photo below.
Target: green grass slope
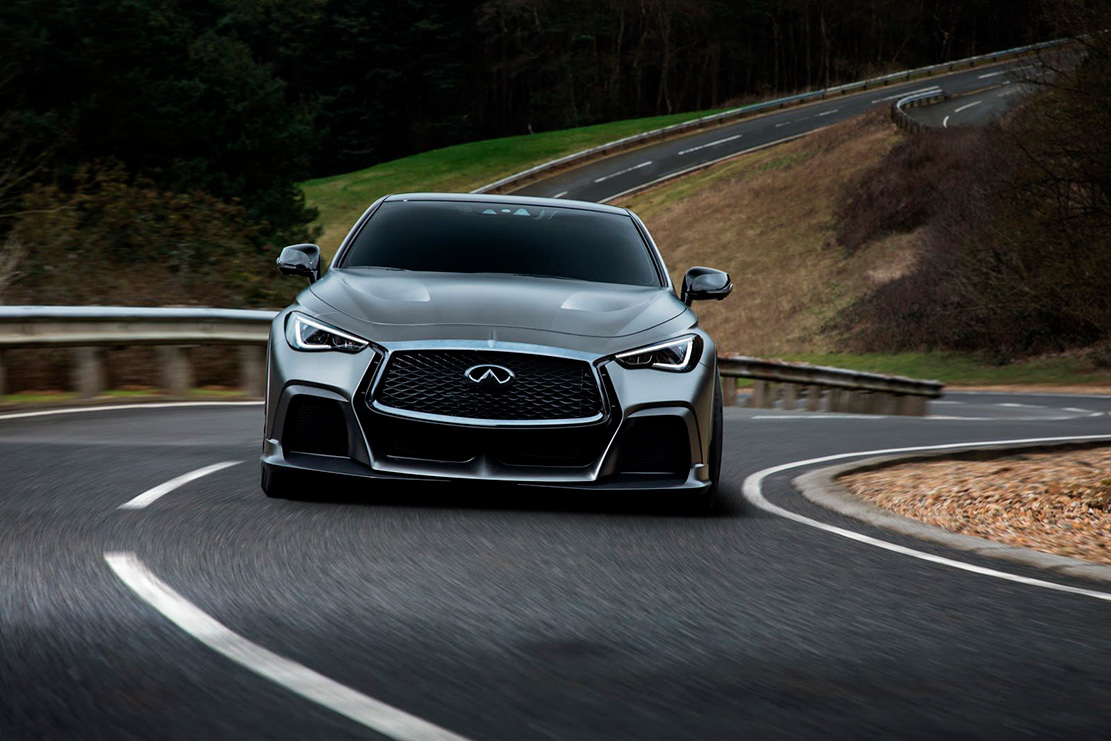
{"x": 341, "y": 198}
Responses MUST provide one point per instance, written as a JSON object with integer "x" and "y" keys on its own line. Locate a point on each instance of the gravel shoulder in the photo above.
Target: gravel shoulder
{"x": 1058, "y": 503}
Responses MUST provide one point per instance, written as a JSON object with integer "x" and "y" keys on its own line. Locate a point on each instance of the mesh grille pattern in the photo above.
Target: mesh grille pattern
{"x": 656, "y": 445}
{"x": 543, "y": 388}
{"x": 314, "y": 425}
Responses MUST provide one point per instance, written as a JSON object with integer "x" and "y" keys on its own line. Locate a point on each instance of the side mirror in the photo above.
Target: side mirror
{"x": 705, "y": 284}
{"x": 301, "y": 259}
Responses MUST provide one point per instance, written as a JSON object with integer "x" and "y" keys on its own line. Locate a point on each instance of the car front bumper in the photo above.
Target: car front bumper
{"x": 650, "y": 414}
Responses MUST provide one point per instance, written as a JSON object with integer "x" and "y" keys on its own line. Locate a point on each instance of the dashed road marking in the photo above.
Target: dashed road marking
{"x": 710, "y": 144}
{"x": 966, "y": 106}
{"x": 153, "y": 494}
{"x": 909, "y": 92}
{"x": 622, "y": 172}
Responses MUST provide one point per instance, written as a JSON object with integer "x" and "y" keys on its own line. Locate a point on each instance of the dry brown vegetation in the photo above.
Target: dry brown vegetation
{"x": 769, "y": 219}
{"x": 1054, "y": 502}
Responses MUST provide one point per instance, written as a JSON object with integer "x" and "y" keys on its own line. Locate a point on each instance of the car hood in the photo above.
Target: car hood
{"x": 389, "y": 298}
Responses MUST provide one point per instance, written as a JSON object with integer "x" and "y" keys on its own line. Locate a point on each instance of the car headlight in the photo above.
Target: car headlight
{"x": 677, "y": 355}
{"x": 311, "y": 335}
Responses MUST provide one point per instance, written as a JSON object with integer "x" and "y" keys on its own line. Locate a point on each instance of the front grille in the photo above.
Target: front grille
{"x": 655, "y": 445}
{"x": 543, "y": 387}
{"x": 314, "y": 425}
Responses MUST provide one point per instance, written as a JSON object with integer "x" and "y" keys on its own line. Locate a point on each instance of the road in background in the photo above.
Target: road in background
{"x": 607, "y": 178}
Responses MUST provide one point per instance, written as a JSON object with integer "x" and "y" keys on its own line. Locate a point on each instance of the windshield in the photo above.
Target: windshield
{"x": 469, "y": 237}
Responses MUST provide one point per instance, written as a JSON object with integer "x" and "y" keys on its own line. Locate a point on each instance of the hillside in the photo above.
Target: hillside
{"x": 341, "y": 198}
{"x": 768, "y": 219}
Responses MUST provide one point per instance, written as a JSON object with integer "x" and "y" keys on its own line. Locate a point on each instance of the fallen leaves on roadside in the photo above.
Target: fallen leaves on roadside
{"x": 1054, "y": 502}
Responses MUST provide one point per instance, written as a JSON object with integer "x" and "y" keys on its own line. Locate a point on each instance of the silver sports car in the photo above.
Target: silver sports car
{"x": 495, "y": 338}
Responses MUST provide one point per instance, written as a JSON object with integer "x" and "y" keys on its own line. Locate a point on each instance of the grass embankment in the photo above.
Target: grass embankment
{"x": 769, "y": 219}
{"x": 341, "y": 198}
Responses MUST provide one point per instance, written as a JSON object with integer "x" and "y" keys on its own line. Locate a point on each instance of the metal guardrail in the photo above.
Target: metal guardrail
{"x": 92, "y": 330}
{"x": 518, "y": 179}
{"x": 903, "y": 120}
{"x": 821, "y": 388}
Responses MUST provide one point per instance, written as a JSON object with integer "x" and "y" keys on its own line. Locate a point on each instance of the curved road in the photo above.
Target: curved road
{"x": 518, "y": 613}
{"x": 140, "y": 601}
{"x": 608, "y": 178}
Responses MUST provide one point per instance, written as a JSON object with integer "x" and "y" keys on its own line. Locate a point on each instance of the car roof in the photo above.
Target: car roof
{"x": 510, "y": 199}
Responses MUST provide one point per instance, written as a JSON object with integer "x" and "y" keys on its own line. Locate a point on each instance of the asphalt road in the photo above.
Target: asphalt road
{"x": 520, "y": 613}
{"x": 210, "y": 611}
{"x": 612, "y": 176}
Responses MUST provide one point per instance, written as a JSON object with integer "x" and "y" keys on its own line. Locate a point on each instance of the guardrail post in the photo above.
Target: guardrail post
{"x": 790, "y": 396}
{"x": 252, "y": 370}
{"x": 913, "y": 406}
{"x": 728, "y": 391}
{"x": 88, "y": 371}
{"x": 176, "y": 369}
{"x": 813, "y": 398}
{"x": 761, "y": 394}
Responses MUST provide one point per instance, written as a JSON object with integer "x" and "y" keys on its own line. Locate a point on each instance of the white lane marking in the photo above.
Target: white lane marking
{"x": 710, "y": 144}
{"x": 1078, "y": 409}
{"x": 822, "y": 415}
{"x": 116, "y": 407}
{"x": 991, "y": 74}
{"x": 1016, "y": 404}
{"x": 709, "y": 163}
{"x": 622, "y": 172}
{"x": 753, "y": 493}
{"x": 1005, "y": 93}
{"x": 826, "y": 113}
{"x": 966, "y": 106}
{"x": 153, "y": 494}
{"x": 909, "y": 92}
{"x": 946, "y": 402}
{"x": 374, "y": 714}
{"x": 785, "y": 123}
{"x": 972, "y": 392}
{"x": 945, "y": 122}
{"x": 560, "y": 195}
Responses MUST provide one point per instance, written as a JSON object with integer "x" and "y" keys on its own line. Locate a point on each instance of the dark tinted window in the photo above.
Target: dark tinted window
{"x": 463, "y": 237}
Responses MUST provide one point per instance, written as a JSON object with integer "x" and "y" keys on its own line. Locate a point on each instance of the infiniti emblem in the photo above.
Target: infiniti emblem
{"x": 489, "y": 378}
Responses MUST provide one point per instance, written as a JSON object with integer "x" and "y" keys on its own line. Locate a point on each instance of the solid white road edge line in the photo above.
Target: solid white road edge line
{"x": 117, "y": 407}
{"x": 157, "y": 492}
{"x": 754, "y": 495}
{"x": 378, "y": 716}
